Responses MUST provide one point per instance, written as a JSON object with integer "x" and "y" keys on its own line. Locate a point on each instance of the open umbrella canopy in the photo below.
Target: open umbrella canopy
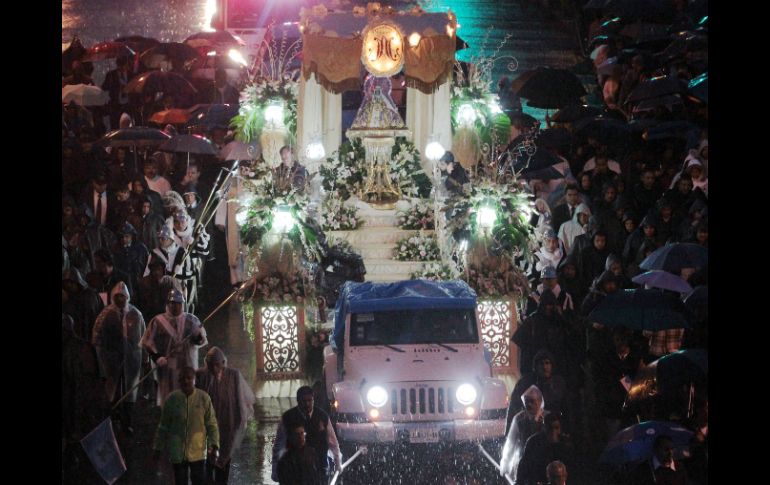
{"x": 656, "y": 87}
{"x": 656, "y": 10}
{"x": 551, "y": 88}
{"x": 174, "y": 116}
{"x": 606, "y": 129}
{"x": 157, "y": 81}
{"x": 154, "y": 57}
{"x": 218, "y": 37}
{"x": 575, "y": 112}
{"x": 74, "y": 52}
{"x": 697, "y": 302}
{"x": 664, "y": 280}
{"x": 675, "y": 256}
{"x": 189, "y": 144}
{"x": 668, "y": 101}
{"x": 84, "y": 95}
{"x": 210, "y": 116}
{"x": 107, "y": 50}
{"x": 237, "y": 150}
{"x": 671, "y": 129}
{"x": 137, "y": 43}
{"x": 135, "y": 136}
{"x": 555, "y": 138}
{"x": 640, "y": 310}
{"x": 699, "y": 87}
{"x": 684, "y": 365}
{"x": 634, "y": 444}
{"x": 685, "y": 42}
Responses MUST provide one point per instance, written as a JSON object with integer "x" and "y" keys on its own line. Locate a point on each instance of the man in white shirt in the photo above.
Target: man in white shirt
{"x": 156, "y": 182}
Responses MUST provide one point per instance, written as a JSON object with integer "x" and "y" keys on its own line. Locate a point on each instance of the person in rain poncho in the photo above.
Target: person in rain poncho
{"x": 575, "y": 227}
{"x": 551, "y": 253}
{"x": 527, "y": 422}
{"x": 116, "y": 336}
{"x": 172, "y": 339}
{"x": 694, "y": 167}
{"x": 233, "y": 402}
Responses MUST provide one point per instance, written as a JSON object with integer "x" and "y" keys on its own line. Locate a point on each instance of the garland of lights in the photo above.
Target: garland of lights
{"x": 344, "y": 171}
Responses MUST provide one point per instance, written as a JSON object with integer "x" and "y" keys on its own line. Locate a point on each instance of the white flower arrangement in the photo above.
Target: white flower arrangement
{"x": 417, "y": 248}
{"x": 337, "y": 216}
{"x": 435, "y": 272}
{"x": 345, "y": 171}
{"x": 420, "y": 216}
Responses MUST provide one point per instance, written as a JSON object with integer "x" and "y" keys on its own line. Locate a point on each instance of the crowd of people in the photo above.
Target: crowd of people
{"x": 632, "y": 193}
{"x": 134, "y": 250}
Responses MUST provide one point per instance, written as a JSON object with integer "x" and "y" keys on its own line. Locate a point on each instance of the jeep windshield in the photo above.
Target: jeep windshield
{"x": 425, "y": 326}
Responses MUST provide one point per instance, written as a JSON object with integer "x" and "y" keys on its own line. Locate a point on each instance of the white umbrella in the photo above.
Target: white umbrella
{"x": 84, "y": 95}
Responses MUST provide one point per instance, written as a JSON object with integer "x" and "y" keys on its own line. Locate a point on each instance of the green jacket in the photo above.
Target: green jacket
{"x": 185, "y": 425}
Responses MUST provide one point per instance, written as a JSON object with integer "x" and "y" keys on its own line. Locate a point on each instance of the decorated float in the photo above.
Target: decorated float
{"x": 379, "y": 195}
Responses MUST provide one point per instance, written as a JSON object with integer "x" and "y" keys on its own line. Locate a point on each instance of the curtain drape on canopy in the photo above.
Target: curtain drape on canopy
{"x": 319, "y": 114}
{"x": 429, "y": 114}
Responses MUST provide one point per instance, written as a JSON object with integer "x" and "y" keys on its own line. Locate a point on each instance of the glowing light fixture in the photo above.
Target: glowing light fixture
{"x": 466, "y": 115}
{"x": 466, "y": 394}
{"x": 414, "y": 39}
{"x": 434, "y": 151}
{"x": 486, "y": 217}
{"x": 494, "y": 107}
{"x": 236, "y": 56}
{"x": 374, "y": 413}
{"x": 208, "y": 14}
{"x": 470, "y": 411}
{"x": 241, "y": 217}
{"x": 377, "y": 396}
{"x": 315, "y": 150}
{"x": 274, "y": 114}
{"x": 283, "y": 221}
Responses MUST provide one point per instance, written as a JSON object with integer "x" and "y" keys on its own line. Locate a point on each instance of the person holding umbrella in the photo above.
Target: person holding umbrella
{"x": 662, "y": 468}
{"x": 114, "y": 83}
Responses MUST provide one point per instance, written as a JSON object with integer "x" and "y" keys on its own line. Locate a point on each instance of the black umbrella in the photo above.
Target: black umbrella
{"x": 215, "y": 37}
{"x": 668, "y": 101}
{"x": 681, "y": 368}
{"x": 660, "y": 10}
{"x": 684, "y": 42}
{"x": 552, "y": 88}
{"x": 209, "y": 116}
{"x": 189, "y": 144}
{"x": 607, "y": 130}
{"x": 73, "y": 53}
{"x": 699, "y": 87}
{"x": 555, "y": 138}
{"x": 460, "y": 44}
{"x": 575, "y": 112}
{"x": 153, "y": 57}
{"x": 697, "y": 302}
{"x": 656, "y": 87}
{"x": 638, "y": 126}
{"x": 675, "y": 256}
{"x": 671, "y": 129}
{"x": 135, "y": 136}
{"x": 640, "y": 309}
{"x": 137, "y": 43}
{"x": 157, "y": 81}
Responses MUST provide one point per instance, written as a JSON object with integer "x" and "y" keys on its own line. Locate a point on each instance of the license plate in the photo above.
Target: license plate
{"x": 423, "y": 434}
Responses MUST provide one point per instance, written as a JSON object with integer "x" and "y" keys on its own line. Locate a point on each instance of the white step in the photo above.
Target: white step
{"x": 384, "y": 220}
{"x": 391, "y": 267}
{"x": 377, "y": 251}
{"x": 374, "y": 235}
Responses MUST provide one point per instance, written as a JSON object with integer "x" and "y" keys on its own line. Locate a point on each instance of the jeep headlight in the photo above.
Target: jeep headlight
{"x": 466, "y": 394}
{"x": 377, "y": 396}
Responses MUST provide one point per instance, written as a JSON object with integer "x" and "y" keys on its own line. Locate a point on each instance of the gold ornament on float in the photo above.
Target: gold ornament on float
{"x": 382, "y": 52}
